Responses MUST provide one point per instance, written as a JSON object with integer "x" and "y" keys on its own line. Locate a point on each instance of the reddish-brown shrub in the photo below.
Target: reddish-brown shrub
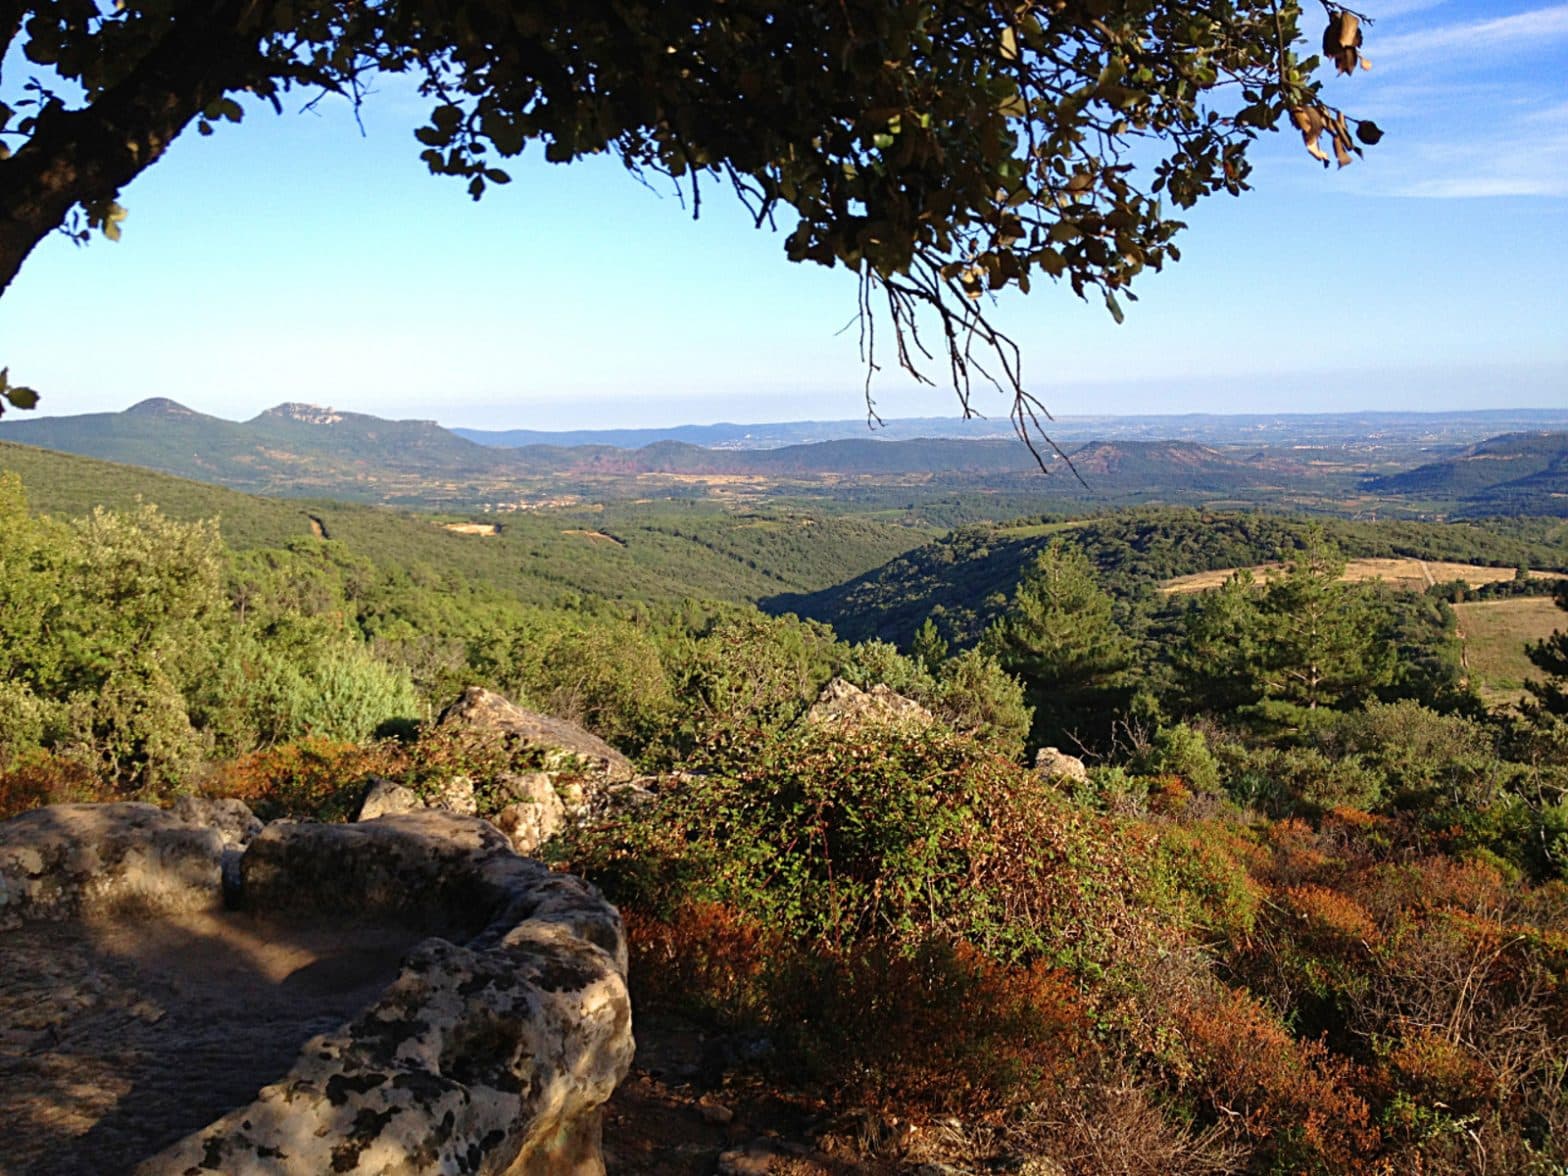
{"x": 1331, "y": 919}
{"x": 42, "y": 777}
{"x": 706, "y": 959}
{"x": 1293, "y": 1098}
{"x": 313, "y": 778}
{"x": 940, "y": 1029}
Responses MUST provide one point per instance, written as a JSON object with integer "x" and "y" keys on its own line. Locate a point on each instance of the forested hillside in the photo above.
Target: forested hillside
{"x": 961, "y": 580}
{"x": 1517, "y": 473}
{"x": 1299, "y": 905}
{"x": 623, "y": 551}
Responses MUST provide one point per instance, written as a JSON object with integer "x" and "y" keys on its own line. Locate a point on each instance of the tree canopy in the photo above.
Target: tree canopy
{"x": 942, "y": 150}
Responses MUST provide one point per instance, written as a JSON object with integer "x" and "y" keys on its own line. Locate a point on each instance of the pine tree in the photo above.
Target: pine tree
{"x": 1059, "y": 636}
{"x": 1550, "y": 696}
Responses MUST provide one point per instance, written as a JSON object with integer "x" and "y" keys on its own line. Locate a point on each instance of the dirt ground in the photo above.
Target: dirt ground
{"x": 119, "y": 1037}
{"x": 684, "y": 1111}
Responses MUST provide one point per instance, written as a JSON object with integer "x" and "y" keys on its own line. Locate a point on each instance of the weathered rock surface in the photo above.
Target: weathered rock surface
{"x": 486, "y": 1057}
{"x": 69, "y": 859}
{"x": 383, "y": 798}
{"x": 493, "y": 1050}
{"x": 843, "y": 704}
{"x": 1054, "y": 764}
{"x": 457, "y": 796}
{"x": 233, "y": 820}
{"x": 532, "y": 813}
{"x": 564, "y": 744}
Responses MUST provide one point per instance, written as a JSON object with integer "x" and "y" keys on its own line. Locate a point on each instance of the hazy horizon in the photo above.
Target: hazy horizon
{"x": 954, "y": 418}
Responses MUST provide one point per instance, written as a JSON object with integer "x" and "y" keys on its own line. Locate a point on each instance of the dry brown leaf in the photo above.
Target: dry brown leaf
{"x": 1310, "y": 122}
{"x": 1342, "y": 41}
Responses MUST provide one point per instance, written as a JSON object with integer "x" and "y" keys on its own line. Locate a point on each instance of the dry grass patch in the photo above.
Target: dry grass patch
{"x": 1495, "y": 633}
{"x": 1415, "y": 575}
{"x": 473, "y": 528}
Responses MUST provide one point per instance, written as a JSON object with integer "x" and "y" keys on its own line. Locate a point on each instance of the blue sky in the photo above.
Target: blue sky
{"x": 294, "y": 259}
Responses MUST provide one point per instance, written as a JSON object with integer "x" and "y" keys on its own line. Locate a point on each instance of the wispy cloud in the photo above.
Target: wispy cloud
{"x": 1535, "y": 29}
{"x": 1525, "y": 156}
{"x": 1472, "y": 108}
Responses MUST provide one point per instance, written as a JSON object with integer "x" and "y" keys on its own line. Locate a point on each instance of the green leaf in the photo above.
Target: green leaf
{"x": 1114, "y": 307}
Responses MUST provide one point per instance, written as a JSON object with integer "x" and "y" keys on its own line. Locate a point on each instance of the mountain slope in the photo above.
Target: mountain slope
{"x": 290, "y": 449}
{"x": 1513, "y": 467}
{"x": 632, "y": 551}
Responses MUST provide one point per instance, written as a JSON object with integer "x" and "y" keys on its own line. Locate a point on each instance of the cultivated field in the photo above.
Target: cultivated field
{"x": 1412, "y": 574}
{"x": 1495, "y": 633}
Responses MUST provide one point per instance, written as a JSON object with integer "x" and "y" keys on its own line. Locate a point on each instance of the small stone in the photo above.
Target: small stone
{"x": 715, "y": 1113}
{"x": 536, "y": 813}
{"x": 383, "y": 798}
{"x": 1054, "y": 764}
{"x": 751, "y": 1161}
{"x": 457, "y": 796}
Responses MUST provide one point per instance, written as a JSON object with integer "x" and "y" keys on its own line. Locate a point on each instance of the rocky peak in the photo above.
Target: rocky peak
{"x": 306, "y": 414}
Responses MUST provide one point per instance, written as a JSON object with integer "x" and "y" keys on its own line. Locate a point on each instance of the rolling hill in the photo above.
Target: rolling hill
{"x": 964, "y": 579}
{"x": 661, "y": 551}
{"x": 1515, "y": 473}
{"x": 302, "y": 451}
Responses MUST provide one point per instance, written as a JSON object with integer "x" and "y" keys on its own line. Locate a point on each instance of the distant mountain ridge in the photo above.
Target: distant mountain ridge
{"x": 303, "y": 450}
{"x": 1497, "y": 475}
{"x": 1336, "y": 428}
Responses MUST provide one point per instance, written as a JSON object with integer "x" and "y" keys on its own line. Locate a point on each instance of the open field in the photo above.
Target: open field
{"x": 1415, "y": 575}
{"x": 1495, "y": 633}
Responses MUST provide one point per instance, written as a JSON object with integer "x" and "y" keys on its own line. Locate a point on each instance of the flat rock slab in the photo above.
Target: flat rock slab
{"x": 118, "y": 1038}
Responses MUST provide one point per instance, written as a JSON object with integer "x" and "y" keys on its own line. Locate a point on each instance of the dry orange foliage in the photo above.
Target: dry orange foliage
{"x": 1293, "y": 1096}
{"x": 1332, "y": 916}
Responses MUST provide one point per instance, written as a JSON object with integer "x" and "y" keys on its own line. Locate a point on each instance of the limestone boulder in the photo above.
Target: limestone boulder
{"x": 457, "y": 796}
{"x": 564, "y": 745}
{"x": 492, "y": 1055}
{"x": 384, "y": 798}
{"x": 843, "y": 704}
{"x": 67, "y": 860}
{"x": 232, "y": 818}
{"x": 493, "y": 1051}
{"x": 1054, "y": 764}
{"x": 531, "y": 811}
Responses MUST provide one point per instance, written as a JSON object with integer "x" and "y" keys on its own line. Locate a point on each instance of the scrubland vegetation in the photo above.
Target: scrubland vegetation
{"x": 1308, "y": 912}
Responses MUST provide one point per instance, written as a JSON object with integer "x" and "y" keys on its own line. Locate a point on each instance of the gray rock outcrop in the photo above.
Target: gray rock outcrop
{"x": 532, "y": 811}
{"x": 563, "y": 744}
{"x": 491, "y": 1056}
{"x": 385, "y": 798}
{"x": 493, "y": 1050}
{"x": 65, "y": 860}
{"x": 843, "y": 704}
{"x": 1054, "y": 764}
